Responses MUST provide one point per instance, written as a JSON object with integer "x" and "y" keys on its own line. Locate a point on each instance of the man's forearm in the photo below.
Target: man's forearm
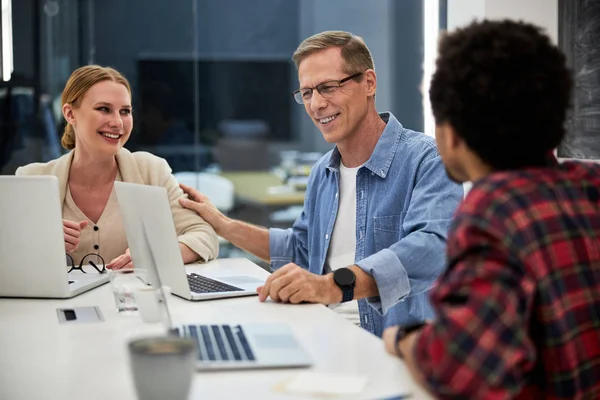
{"x": 365, "y": 284}
{"x": 253, "y": 239}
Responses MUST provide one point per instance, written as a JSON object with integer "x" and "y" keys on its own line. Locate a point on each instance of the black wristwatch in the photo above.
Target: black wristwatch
{"x": 403, "y": 332}
{"x": 345, "y": 279}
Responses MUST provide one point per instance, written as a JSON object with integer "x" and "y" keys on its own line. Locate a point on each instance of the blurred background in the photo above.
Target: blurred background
{"x": 213, "y": 79}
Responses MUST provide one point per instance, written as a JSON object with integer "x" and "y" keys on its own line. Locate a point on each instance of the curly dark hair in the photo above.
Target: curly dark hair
{"x": 505, "y": 89}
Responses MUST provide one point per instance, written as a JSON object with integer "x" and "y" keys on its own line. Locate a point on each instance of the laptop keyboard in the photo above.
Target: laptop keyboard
{"x": 219, "y": 342}
{"x": 202, "y": 284}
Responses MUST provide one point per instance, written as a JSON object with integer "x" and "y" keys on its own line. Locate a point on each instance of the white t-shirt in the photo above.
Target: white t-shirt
{"x": 343, "y": 238}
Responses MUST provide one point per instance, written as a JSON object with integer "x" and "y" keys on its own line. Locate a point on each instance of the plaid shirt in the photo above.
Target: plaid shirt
{"x": 518, "y": 309}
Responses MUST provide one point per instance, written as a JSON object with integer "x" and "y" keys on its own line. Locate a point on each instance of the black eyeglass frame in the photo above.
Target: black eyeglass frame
{"x": 320, "y": 86}
{"x": 80, "y": 268}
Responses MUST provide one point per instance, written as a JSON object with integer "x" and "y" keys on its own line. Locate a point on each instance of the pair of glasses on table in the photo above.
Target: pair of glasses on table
{"x": 90, "y": 264}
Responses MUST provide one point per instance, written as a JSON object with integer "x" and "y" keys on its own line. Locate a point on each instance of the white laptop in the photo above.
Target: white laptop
{"x": 245, "y": 346}
{"x": 150, "y": 205}
{"x": 33, "y": 260}
{"x": 229, "y": 346}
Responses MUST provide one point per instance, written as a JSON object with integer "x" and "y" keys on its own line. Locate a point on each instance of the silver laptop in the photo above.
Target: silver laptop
{"x": 33, "y": 260}
{"x": 230, "y": 346}
{"x": 244, "y": 346}
{"x": 150, "y": 204}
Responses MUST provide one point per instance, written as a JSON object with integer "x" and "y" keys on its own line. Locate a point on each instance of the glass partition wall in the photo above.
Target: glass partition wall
{"x": 212, "y": 80}
{"x": 212, "y": 84}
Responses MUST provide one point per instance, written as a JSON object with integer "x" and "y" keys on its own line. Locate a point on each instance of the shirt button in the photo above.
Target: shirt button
{"x": 327, "y": 236}
{"x": 96, "y": 228}
{"x": 96, "y": 247}
{"x": 336, "y": 195}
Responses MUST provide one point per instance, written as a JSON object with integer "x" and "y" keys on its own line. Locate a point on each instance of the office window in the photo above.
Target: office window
{"x": 579, "y": 35}
{"x": 217, "y": 69}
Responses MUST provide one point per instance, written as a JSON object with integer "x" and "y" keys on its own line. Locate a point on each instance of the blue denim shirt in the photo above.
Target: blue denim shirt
{"x": 404, "y": 205}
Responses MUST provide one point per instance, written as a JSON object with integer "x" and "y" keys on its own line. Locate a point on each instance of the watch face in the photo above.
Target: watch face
{"x": 344, "y": 277}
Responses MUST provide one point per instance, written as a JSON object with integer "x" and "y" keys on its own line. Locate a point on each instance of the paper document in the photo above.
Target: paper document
{"x": 318, "y": 383}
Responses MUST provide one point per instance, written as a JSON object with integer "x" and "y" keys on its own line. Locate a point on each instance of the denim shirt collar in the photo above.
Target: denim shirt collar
{"x": 383, "y": 154}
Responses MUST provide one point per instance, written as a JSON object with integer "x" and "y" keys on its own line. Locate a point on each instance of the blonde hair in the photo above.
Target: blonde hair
{"x": 80, "y": 81}
{"x": 355, "y": 53}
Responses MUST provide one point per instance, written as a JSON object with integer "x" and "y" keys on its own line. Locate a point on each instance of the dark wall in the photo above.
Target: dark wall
{"x": 146, "y": 29}
{"x": 22, "y": 11}
{"x": 407, "y": 61}
{"x": 125, "y": 29}
{"x": 245, "y": 28}
{"x": 579, "y": 38}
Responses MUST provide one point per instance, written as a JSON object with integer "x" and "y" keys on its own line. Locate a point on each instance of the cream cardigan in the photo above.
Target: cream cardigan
{"x": 142, "y": 168}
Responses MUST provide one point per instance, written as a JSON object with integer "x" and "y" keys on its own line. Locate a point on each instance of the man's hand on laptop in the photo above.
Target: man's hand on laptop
{"x": 293, "y": 284}
{"x": 121, "y": 262}
{"x": 201, "y": 204}
{"x": 72, "y": 231}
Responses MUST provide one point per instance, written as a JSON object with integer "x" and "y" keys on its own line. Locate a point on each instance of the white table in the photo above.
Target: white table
{"x": 42, "y": 359}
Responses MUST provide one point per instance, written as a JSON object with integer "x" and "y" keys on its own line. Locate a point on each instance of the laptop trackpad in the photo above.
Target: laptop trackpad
{"x": 275, "y": 341}
{"x": 240, "y": 280}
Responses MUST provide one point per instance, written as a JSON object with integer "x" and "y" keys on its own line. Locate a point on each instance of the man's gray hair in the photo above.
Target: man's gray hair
{"x": 355, "y": 53}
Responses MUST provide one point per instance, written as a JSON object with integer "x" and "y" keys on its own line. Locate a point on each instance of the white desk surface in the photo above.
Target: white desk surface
{"x": 41, "y": 359}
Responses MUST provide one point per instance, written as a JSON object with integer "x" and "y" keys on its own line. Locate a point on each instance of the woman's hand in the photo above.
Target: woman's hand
{"x": 121, "y": 262}
{"x": 72, "y": 231}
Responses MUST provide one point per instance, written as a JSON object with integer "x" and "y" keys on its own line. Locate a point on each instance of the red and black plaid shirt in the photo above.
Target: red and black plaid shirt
{"x": 518, "y": 309}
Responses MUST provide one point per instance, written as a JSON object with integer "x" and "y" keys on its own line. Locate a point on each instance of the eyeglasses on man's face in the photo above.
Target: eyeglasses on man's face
{"x": 90, "y": 264}
{"x": 325, "y": 89}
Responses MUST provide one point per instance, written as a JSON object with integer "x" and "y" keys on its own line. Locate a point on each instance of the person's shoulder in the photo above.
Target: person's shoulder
{"x": 488, "y": 206}
{"x": 582, "y": 169}
{"x": 151, "y": 169}
{"x": 38, "y": 168}
{"x": 147, "y": 160}
{"x": 417, "y": 145}
{"x": 499, "y": 195}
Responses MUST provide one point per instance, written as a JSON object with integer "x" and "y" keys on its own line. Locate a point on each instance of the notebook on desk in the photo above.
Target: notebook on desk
{"x": 151, "y": 205}
{"x": 219, "y": 346}
{"x": 33, "y": 261}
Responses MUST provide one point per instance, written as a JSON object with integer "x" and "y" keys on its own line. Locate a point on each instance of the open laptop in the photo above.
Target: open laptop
{"x": 33, "y": 261}
{"x": 150, "y": 204}
{"x": 245, "y": 346}
{"x": 219, "y": 346}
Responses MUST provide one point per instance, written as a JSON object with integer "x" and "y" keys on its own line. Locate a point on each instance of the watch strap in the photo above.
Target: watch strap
{"x": 347, "y": 293}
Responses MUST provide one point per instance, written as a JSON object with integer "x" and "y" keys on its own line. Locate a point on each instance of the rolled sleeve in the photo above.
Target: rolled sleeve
{"x": 289, "y": 245}
{"x": 281, "y": 247}
{"x": 411, "y": 266}
{"x": 389, "y": 275}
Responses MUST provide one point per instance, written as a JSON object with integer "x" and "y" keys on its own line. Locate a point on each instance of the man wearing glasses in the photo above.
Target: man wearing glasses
{"x": 377, "y": 207}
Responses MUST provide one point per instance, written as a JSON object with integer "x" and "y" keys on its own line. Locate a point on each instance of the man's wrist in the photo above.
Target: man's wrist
{"x": 333, "y": 292}
{"x": 404, "y": 332}
{"x": 226, "y": 225}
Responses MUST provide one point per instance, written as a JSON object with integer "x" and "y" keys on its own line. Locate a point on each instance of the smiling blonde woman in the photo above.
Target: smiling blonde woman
{"x": 96, "y": 104}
